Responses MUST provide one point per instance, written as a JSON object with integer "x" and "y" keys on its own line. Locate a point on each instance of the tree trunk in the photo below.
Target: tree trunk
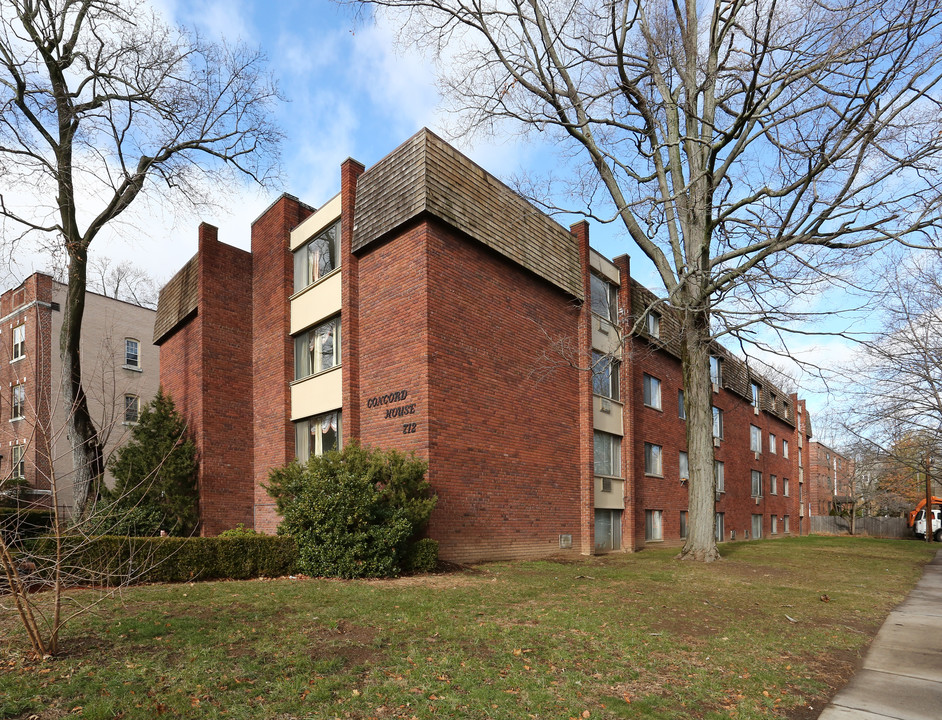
{"x": 698, "y": 401}
{"x": 87, "y": 460}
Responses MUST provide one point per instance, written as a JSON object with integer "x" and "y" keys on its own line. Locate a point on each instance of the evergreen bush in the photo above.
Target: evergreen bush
{"x": 354, "y": 513}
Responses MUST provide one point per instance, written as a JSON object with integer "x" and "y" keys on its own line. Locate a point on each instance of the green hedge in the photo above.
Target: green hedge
{"x": 17, "y": 524}
{"x": 111, "y": 560}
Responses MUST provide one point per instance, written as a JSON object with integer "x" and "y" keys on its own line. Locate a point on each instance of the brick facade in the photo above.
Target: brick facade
{"x": 485, "y": 341}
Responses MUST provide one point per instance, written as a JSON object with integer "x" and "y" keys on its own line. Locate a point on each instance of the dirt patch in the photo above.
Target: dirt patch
{"x": 355, "y": 644}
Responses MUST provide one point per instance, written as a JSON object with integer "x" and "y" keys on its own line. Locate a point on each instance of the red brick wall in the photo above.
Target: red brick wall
{"x": 225, "y": 302}
{"x": 504, "y": 440}
{"x": 273, "y": 349}
{"x": 665, "y": 428}
{"x": 34, "y": 372}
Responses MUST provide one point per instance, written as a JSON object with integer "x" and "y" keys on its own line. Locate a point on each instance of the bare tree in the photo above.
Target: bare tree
{"x": 744, "y": 145}
{"x": 123, "y": 281}
{"x": 101, "y": 101}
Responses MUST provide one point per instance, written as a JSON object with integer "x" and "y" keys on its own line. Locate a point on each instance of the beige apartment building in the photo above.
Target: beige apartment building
{"x": 120, "y": 373}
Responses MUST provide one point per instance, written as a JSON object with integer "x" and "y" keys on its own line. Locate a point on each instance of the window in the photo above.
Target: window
{"x": 799, "y": 457}
{"x": 132, "y": 358}
{"x": 19, "y": 341}
{"x": 317, "y": 435}
{"x": 607, "y": 530}
{"x": 785, "y": 523}
{"x": 684, "y": 465}
{"x": 719, "y": 527}
{"x": 716, "y": 370}
{"x": 18, "y": 461}
{"x": 756, "y": 391}
{"x": 652, "y": 459}
{"x": 681, "y": 410}
{"x": 132, "y": 408}
{"x": 756, "y": 483}
{"x": 317, "y": 349}
{"x": 784, "y": 448}
{"x": 774, "y": 529}
{"x": 755, "y": 439}
{"x": 756, "y": 526}
{"x": 719, "y": 475}
{"x": 605, "y": 370}
{"x": 773, "y": 401}
{"x": 772, "y": 444}
{"x": 717, "y": 423}
{"x": 773, "y": 485}
{"x": 652, "y": 392}
{"x": 317, "y": 258}
{"x": 604, "y": 299}
{"x": 652, "y": 324}
{"x": 683, "y": 524}
{"x": 652, "y": 525}
{"x": 785, "y": 488}
{"x": 607, "y": 454}
{"x": 19, "y": 402}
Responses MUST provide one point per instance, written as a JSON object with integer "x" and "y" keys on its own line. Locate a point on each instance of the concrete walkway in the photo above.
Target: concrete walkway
{"x": 901, "y": 677}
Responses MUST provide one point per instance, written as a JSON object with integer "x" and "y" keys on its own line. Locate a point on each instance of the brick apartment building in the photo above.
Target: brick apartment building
{"x": 830, "y": 479}
{"x": 428, "y": 307}
{"x": 120, "y": 373}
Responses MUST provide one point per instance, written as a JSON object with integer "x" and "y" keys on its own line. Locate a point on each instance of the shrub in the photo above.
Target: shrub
{"x": 155, "y": 476}
{"x": 422, "y": 556}
{"x": 17, "y": 524}
{"x": 239, "y": 531}
{"x": 116, "y": 560}
{"x": 354, "y": 513}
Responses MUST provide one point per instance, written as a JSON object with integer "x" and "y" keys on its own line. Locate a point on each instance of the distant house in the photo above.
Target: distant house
{"x": 428, "y": 307}
{"x": 119, "y": 373}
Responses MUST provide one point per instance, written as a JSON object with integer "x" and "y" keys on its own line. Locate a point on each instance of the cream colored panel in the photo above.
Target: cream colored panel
{"x": 603, "y": 267}
{"x": 315, "y": 303}
{"x": 319, "y": 394}
{"x": 605, "y": 336}
{"x": 614, "y": 500}
{"x": 328, "y": 214}
{"x": 610, "y": 421}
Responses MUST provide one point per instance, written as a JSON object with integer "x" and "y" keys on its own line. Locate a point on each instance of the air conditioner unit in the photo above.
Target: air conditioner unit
{"x": 716, "y": 441}
{"x": 758, "y": 498}
{"x": 756, "y": 409}
{"x": 716, "y": 387}
{"x": 719, "y": 496}
{"x": 606, "y": 405}
{"x": 757, "y": 454}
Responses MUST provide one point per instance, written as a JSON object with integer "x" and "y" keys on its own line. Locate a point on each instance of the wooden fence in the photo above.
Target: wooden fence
{"x": 885, "y": 527}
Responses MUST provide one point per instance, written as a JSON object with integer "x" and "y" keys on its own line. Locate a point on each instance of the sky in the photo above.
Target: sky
{"x": 350, "y": 92}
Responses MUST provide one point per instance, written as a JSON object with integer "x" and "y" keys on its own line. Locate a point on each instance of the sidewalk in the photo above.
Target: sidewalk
{"x": 901, "y": 677}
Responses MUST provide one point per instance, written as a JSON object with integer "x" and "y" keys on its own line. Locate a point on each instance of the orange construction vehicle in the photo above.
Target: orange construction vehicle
{"x": 919, "y": 506}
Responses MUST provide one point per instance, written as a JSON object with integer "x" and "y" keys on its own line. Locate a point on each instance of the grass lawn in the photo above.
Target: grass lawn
{"x": 771, "y": 631}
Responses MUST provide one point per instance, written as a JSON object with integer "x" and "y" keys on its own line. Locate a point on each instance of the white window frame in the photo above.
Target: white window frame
{"x": 785, "y": 487}
{"x": 607, "y": 454}
{"x": 756, "y": 524}
{"x": 681, "y": 408}
{"x": 602, "y": 291}
{"x": 307, "y": 267}
{"x": 719, "y": 527}
{"x": 717, "y": 423}
{"x": 653, "y": 525}
{"x": 132, "y": 360}
{"x": 605, "y": 375}
{"x": 755, "y": 439}
{"x": 303, "y": 434}
{"x": 772, "y": 444}
{"x": 716, "y": 370}
{"x": 18, "y": 462}
{"x": 652, "y": 324}
{"x": 756, "y": 483}
{"x": 19, "y": 342}
{"x": 785, "y": 523}
{"x": 18, "y": 402}
{"x": 653, "y": 460}
{"x": 719, "y": 476}
{"x": 784, "y": 448}
{"x": 773, "y": 485}
{"x": 683, "y": 465}
{"x": 651, "y": 391}
{"x": 132, "y": 409}
{"x": 309, "y": 361}
{"x": 756, "y": 390}
{"x": 774, "y": 529}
